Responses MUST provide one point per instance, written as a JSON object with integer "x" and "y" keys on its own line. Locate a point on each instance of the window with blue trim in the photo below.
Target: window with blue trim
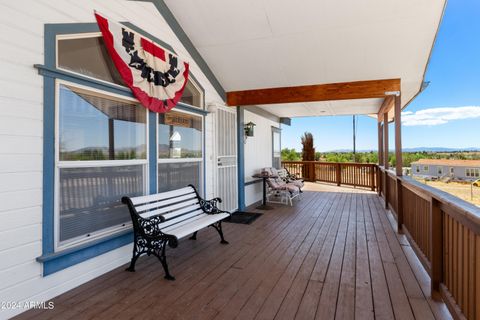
{"x": 102, "y": 147}
{"x": 99, "y": 145}
{"x": 180, "y": 150}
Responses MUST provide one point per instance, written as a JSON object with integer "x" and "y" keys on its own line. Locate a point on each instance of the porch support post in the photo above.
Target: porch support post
{"x": 399, "y": 161}
{"x": 380, "y": 157}
{"x": 385, "y": 157}
{"x": 398, "y": 136}
{"x": 241, "y": 158}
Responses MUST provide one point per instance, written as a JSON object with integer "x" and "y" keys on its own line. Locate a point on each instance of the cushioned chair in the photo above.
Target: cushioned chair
{"x": 279, "y": 190}
{"x": 287, "y": 177}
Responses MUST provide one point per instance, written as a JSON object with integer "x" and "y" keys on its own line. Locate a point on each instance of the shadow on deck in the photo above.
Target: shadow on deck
{"x": 334, "y": 254}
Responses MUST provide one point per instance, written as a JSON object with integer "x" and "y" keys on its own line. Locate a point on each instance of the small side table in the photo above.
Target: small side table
{"x": 264, "y": 205}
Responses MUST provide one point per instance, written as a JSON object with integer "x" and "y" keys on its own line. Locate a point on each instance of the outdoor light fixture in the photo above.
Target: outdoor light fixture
{"x": 249, "y": 130}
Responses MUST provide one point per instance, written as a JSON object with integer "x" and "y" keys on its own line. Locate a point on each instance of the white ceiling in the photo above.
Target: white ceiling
{"x": 254, "y": 44}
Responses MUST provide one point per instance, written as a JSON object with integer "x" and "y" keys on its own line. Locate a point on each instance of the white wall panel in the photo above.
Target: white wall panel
{"x": 258, "y": 153}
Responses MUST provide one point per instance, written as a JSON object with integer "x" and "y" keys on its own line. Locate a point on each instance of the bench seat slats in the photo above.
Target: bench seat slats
{"x": 195, "y": 225}
{"x": 171, "y": 215}
{"x": 161, "y": 196}
{"x": 179, "y": 219}
{"x": 157, "y": 204}
{"x": 167, "y": 209}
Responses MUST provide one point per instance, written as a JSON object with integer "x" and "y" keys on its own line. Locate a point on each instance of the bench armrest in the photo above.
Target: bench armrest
{"x": 210, "y": 206}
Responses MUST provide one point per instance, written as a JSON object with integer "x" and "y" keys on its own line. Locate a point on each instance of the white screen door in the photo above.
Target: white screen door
{"x": 226, "y": 154}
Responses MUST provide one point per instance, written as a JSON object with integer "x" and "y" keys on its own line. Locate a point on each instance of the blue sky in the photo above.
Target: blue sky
{"x": 454, "y": 75}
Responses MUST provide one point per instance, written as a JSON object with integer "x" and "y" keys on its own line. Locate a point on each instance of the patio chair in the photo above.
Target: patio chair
{"x": 289, "y": 178}
{"x": 284, "y": 175}
{"x": 286, "y": 192}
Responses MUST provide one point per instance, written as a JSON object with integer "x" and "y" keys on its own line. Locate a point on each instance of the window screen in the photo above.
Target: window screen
{"x": 90, "y": 198}
{"x": 177, "y": 175}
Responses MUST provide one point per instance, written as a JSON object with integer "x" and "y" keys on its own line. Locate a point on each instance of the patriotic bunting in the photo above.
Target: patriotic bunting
{"x": 156, "y": 76}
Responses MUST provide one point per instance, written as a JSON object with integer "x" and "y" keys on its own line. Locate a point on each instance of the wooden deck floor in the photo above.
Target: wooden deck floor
{"x": 334, "y": 254}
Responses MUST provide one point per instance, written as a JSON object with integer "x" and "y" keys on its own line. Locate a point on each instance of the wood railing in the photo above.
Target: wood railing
{"x": 445, "y": 234}
{"x": 352, "y": 174}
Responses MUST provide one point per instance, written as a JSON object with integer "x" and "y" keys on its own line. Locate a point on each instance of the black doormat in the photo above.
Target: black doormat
{"x": 243, "y": 217}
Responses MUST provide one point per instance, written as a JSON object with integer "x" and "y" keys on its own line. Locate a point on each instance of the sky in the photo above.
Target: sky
{"x": 446, "y": 114}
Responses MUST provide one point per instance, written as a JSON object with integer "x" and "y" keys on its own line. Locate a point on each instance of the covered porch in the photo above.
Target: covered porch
{"x": 334, "y": 254}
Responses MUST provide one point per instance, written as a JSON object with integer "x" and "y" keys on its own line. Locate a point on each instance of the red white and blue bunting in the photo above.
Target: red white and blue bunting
{"x": 156, "y": 76}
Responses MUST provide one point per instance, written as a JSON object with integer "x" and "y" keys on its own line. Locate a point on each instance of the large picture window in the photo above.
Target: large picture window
{"x": 102, "y": 156}
{"x": 180, "y": 150}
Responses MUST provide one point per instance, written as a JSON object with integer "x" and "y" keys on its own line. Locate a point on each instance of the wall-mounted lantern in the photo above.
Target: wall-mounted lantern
{"x": 249, "y": 127}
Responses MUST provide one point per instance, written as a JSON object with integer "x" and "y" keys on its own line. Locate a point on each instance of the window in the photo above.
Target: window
{"x": 276, "y": 148}
{"x": 192, "y": 95}
{"x": 440, "y": 170}
{"x": 97, "y": 148}
{"x": 425, "y": 168}
{"x": 452, "y": 171}
{"x": 417, "y": 169}
{"x": 180, "y": 150}
{"x": 472, "y": 172}
{"x": 102, "y": 156}
{"x": 88, "y": 56}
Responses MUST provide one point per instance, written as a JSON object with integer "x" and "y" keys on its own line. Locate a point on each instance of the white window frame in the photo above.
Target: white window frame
{"x": 425, "y": 168}
{"x": 452, "y": 170}
{"x": 185, "y": 160}
{"x": 440, "y": 170}
{"x": 59, "y": 246}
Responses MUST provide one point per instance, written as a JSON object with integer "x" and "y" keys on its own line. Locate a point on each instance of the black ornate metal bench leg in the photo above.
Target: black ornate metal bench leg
{"x": 135, "y": 256}
{"x": 218, "y": 227}
{"x": 194, "y": 236}
{"x": 163, "y": 260}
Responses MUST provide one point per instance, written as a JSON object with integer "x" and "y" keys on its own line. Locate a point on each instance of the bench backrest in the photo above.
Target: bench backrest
{"x": 172, "y": 206}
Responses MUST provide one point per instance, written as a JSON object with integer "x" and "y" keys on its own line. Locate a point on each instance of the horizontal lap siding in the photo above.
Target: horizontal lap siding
{"x": 258, "y": 153}
{"x": 21, "y": 138}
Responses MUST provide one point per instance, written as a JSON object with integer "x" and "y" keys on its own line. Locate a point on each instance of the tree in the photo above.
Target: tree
{"x": 308, "y": 151}
{"x": 290, "y": 155}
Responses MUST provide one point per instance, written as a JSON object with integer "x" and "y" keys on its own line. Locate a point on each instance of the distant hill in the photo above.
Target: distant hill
{"x": 417, "y": 149}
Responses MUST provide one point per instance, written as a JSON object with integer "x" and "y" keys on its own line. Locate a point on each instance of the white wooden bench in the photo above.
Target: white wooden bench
{"x": 164, "y": 218}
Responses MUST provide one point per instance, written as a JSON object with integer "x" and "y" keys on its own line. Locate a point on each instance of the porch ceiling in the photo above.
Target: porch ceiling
{"x": 254, "y": 44}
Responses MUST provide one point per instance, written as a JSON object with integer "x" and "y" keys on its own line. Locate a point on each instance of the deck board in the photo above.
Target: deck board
{"x": 333, "y": 255}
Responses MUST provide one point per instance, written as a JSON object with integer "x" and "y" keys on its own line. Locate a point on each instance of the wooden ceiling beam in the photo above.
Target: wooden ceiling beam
{"x": 387, "y": 105}
{"x": 320, "y": 92}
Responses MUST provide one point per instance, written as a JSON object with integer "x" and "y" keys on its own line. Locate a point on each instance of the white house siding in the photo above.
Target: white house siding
{"x": 258, "y": 153}
{"x": 21, "y": 130}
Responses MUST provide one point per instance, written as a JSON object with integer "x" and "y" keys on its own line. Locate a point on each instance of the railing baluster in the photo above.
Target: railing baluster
{"x": 436, "y": 248}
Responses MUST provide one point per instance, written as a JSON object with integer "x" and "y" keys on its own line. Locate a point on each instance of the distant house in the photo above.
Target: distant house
{"x": 440, "y": 168}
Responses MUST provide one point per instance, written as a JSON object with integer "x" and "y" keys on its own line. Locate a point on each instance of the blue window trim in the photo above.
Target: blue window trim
{"x": 56, "y": 261}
